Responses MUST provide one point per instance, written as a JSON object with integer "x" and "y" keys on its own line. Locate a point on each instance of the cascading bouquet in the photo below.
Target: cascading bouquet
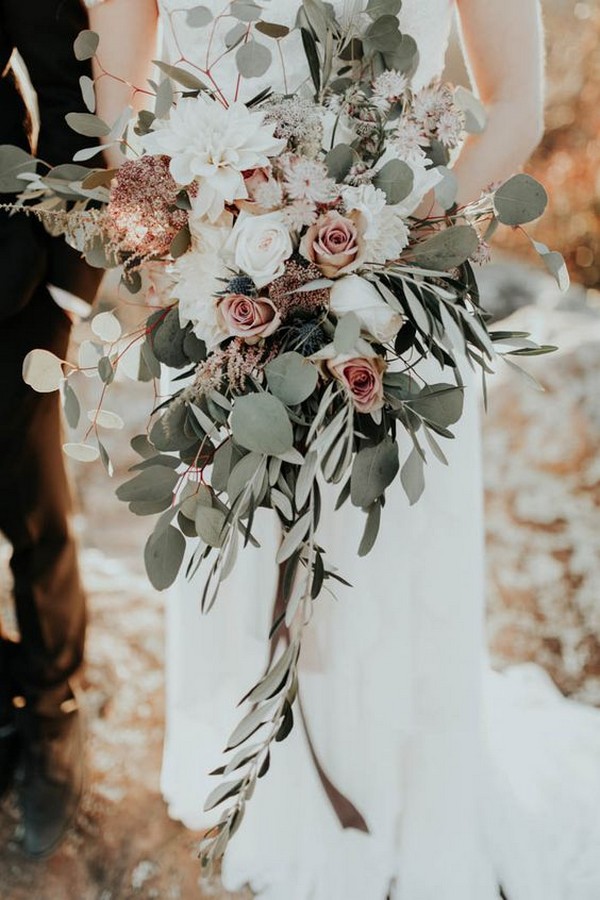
{"x": 299, "y": 292}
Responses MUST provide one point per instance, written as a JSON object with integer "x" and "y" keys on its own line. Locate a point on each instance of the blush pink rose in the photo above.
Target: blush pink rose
{"x": 363, "y": 379}
{"x": 251, "y": 318}
{"x": 334, "y": 243}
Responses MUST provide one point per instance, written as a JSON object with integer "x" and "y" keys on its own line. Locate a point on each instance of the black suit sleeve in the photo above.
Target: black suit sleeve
{"x": 43, "y": 31}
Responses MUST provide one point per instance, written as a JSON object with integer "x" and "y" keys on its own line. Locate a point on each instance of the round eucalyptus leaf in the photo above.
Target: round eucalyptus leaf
{"x": 253, "y": 59}
{"x": 519, "y": 200}
{"x": 291, "y": 378}
{"x": 377, "y": 8}
{"x": 43, "y": 371}
{"x": 396, "y": 180}
{"x": 106, "y": 326}
{"x": 245, "y": 10}
{"x": 199, "y": 17}
{"x": 260, "y": 422}
{"x": 85, "y": 45}
{"x": 383, "y": 34}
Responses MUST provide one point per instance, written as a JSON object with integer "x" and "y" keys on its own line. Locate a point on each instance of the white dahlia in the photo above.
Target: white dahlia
{"x": 212, "y": 146}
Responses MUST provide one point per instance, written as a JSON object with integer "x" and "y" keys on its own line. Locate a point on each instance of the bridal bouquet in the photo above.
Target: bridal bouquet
{"x": 310, "y": 302}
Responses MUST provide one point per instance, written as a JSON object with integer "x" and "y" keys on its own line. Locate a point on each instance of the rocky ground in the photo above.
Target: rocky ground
{"x": 543, "y": 502}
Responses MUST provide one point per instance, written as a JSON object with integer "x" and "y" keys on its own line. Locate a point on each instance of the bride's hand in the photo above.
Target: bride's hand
{"x": 503, "y": 46}
{"x": 128, "y": 33}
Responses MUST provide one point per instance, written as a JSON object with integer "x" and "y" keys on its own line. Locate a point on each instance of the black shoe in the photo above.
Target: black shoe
{"x": 9, "y": 752}
{"x": 49, "y": 776}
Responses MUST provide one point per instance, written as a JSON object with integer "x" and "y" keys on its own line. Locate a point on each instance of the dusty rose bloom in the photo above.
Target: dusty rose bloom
{"x": 334, "y": 243}
{"x": 251, "y": 318}
{"x": 363, "y": 379}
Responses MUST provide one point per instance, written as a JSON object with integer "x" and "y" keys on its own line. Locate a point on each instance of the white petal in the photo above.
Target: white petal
{"x": 43, "y": 371}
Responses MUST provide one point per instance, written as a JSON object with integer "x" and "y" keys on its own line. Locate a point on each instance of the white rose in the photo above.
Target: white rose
{"x": 260, "y": 245}
{"x": 353, "y": 294}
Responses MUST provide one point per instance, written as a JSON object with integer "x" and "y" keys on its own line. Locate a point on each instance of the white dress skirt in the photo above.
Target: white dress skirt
{"x": 467, "y": 779}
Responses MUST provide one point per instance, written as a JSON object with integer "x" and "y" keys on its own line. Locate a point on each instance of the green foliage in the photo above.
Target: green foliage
{"x": 396, "y": 180}
{"x": 260, "y": 422}
{"x": 519, "y": 200}
{"x": 373, "y": 471}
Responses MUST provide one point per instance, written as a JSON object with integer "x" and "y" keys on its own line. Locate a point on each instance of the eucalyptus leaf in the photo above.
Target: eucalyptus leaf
{"x": 371, "y": 529}
{"x": 447, "y": 249}
{"x": 383, "y": 34}
{"x": 87, "y": 124}
{"x": 85, "y": 45}
{"x": 71, "y": 405}
{"x": 14, "y": 162}
{"x": 181, "y": 76}
{"x": 163, "y": 556}
{"x": 291, "y": 378}
{"x": 210, "y": 525}
{"x": 473, "y": 108}
{"x": 294, "y": 537}
{"x": 441, "y": 404}
{"x": 396, "y": 180}
{"x": 260, "y": 422}
{"x": 253, "y": 59}
{"x": 339, "y": 161}
{"x": 378, "y": 8}
{"x": 412, "y": 476}
{"x": 245, "y": 10}
{"x": 519, "y": 200}
{"x": 249, "y": 724}
{"x": 373, "y": 471}
{"x": 272, "y": 29}
{"x": 156, "y": 483}
{"x": 199, "y": 17}
{"x": 88, "y": 92}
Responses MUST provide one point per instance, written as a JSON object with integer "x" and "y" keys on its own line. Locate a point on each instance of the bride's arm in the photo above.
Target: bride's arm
{"x": 128, "y": 32}
{"x": 503, "y": 43}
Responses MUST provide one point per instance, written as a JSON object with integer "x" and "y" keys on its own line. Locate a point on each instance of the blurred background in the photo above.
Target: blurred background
{"x": 542, "y": 474}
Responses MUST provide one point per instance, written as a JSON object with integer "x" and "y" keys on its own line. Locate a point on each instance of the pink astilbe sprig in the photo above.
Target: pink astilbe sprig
{"x": 142, "y": 218}
{"x": 233, "y": 365}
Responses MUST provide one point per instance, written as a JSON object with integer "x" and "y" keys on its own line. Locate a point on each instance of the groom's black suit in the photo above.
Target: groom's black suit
{"x": 34, "y": 495}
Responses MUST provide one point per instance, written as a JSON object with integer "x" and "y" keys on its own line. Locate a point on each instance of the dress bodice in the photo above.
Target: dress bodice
{"x": 427, "y": 21}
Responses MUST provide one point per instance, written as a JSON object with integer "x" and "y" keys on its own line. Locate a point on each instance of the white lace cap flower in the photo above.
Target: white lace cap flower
{"x": 307, "y": 179}
{"x": 213, "y": 146}
{"x": 199, "y": 277}
{"x": 260, "y": 245}
{"x": 386, "y": 234}
{"x": 368, "y": 200}
{"x": 353, "y": 294}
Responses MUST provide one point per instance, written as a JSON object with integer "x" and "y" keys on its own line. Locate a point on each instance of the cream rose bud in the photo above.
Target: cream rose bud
{"x": 335, "y": 243}
{"x": 363, "y": 379}
{"x": 251, "y": 318}
{"x": 353, "y": 294}
{"x": 259, "y": 246}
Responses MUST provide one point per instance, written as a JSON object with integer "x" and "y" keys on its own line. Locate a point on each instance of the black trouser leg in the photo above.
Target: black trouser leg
{"x": 35, "y": 507}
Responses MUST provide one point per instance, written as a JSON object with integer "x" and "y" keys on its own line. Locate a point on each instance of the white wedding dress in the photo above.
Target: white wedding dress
{"x": 467, "y": 779}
